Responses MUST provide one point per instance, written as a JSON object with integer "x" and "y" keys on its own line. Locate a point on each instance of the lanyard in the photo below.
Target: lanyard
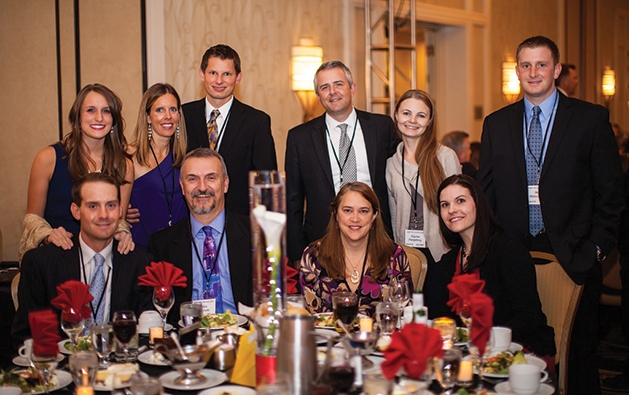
{"x": 413, "y": 196}
{"x": 539, "y": 162}
{"x": 351, "y": 144}
{"x": 196, "y": 250}
{"x": 169, "y": 203}
{"x": 85, "y": 281}
{"x": 220, "y": 133}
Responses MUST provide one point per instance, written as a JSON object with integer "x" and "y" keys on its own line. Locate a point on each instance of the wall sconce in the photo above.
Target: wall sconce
{"x": 305, "y": 60}
{"x": 608, "y": 85}
{"x": 510, "y": 82}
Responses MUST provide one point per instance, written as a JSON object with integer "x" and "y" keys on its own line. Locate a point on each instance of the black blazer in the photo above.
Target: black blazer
{"x": 174, "y": 245}
{"x": 247, "y": 145}
{"x": 580, "y": 185}
{"x": 46, "y": 267}
{"x": 309, "y": 176}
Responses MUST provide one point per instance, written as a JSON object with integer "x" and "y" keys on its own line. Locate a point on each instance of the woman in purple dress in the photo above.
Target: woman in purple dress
{"x": 158, "y": 147}
{"x": 355, "y": 255}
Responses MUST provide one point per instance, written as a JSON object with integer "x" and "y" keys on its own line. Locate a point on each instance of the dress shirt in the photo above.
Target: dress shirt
{"x": 198, "y": 277}
{"x": 546, "y": 118}
{"x": 221, "y": 119}
{"x": 87, "y": 268}
{"x": 334, "y": 137}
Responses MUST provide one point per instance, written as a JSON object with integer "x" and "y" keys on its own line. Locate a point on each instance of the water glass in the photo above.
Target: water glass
{"x": 146, "y": 386}
{"x": 447, "y": 328}
{"x": 447, "y": 369}
{"x": 190, "y": 312}
{"x": 387, "y": 314}
{"x": 102, "y": 341}
{"x": 376, "y": 384}
{"x": 83, "y": 366}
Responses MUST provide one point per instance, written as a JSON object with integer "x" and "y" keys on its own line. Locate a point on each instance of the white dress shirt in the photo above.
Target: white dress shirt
{"x": 222, "y": 119}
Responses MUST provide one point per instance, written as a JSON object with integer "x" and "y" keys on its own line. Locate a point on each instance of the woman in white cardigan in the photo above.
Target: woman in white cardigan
{"x": 414, "y": 174}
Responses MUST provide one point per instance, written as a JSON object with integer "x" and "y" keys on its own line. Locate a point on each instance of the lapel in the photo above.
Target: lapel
{"x": 71, "y": 257}
{"x": 233, "y": 127}
{"x": 320, "y": 144}
{"x": 515, "y": 123}
{"x": 560, "y": 127}
{"x": 181, "y": 247}
{"x": 235, "y": 245}
{"x": 198, "y": 123}
{"x": 371, "y": 142}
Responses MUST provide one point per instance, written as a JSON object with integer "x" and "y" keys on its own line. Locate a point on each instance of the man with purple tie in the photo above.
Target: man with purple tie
{"x": 213, "y": 245}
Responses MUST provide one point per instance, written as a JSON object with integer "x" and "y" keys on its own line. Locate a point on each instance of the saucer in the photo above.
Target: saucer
{"x": 229, "y": 389}
{"x": 503, "y": 389}
{"x": 213, "y": 378}
{"x": 25, "y": 362}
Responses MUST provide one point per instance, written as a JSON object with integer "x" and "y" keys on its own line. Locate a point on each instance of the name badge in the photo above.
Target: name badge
{"x": 209, "y": 305}
{"x": 534, "y": 195}
{"x": 415, "y": 238}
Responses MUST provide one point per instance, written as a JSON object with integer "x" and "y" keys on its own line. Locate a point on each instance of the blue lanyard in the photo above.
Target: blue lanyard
{"x": 540, "y": 161}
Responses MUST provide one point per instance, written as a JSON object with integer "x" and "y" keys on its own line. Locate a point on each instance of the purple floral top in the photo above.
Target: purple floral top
{"x": 318, "y": 287}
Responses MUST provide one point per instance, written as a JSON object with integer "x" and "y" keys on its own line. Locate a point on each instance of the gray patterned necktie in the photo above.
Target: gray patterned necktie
{"x": 533, "y": 158}
{"x": 212, "y": 129}
{"x": 97, "y": 287}
{"x": 347, "y": 157}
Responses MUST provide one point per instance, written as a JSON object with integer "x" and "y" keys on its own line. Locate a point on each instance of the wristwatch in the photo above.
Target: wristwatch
{"x": 599, "y": 254}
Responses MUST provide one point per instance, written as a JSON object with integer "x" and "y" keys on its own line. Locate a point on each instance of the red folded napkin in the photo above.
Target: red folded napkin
{"x": 163, "y": 275}
{"x": 292, "y": 277}
{"x": 467, "y": 289}
{"x": 45, "y": 331}
{"x": 410, "y": 348}
{"x": 72, "y": 299}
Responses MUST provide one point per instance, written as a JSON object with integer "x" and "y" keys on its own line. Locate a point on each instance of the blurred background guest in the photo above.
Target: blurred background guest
{"x": 459, "y": 142}
{"x": 568, "y": 80}
{"x": 158, "y": 147}
{"x": 479, "y": 245}
{"x": 354, "y": 255}
{"x": 475, "y": 156}
{"x": 95, "y": 143}
{"x": 414, "y": 173}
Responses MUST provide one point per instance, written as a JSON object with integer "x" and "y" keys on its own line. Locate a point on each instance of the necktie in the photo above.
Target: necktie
{"x": 212, "y": 286}
{"x": 533, "y": 158}
{"x": 212, "y": 128}
{"x": 97, "y": 287}
{"x": 347, "y": 157}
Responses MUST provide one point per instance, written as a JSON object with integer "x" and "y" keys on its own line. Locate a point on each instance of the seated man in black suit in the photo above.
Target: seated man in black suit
{"x": 213, "y": 245}
{"x": 240, "y": 133}
{"x": 93, "y": 257}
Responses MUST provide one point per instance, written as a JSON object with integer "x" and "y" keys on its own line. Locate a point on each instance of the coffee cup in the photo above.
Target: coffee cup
{"x": 25, "y": 350}
{"x": 501, "y": 337}
{"x": 525, "y": 379}
{"x": 148, "y": 319}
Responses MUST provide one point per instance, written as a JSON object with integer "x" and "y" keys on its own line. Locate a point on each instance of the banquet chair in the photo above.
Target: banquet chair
{"x": 14, "y": 284}
{"x": 419, "y": 265}
{"x": 560, "y": 297}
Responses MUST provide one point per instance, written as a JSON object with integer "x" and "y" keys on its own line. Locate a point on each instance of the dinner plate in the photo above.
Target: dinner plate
{"x": 62, "y": 348}
{"x": 321, "y": 335}
{"x": 240, "y": 321}
{"x": 147, "y": 358}
{"x": 213, "y": 378}
{"x": 533, "y": 360}
{"x": 63, "y": 380}
{"x": 167, "y": 328}
{"x": 319, "y": 317}
{"x": 229, "y": 390}
{"x": 504, "y": 389}
{"x": 100, "y": 386}
{"x": 25, "y": 362}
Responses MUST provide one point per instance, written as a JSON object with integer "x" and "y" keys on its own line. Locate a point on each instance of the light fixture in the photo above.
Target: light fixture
{"x": 305, "y": 60}
{"x": 510, "y": 82}
{"x": 609, "y": 84}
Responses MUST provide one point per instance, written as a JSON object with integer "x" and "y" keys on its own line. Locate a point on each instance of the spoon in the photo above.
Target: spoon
{"x": 175, "y": 338}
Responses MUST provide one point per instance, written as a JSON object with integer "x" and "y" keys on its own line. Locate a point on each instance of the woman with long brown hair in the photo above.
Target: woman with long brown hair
{"x": 414, "y": 173}
{"x": 354, "y": 255}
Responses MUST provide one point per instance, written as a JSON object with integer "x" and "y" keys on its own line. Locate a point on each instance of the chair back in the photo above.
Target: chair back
{"x": 560, "y": 297}
{"x": 14, "y": 284}
{"x": 419, "y": 265}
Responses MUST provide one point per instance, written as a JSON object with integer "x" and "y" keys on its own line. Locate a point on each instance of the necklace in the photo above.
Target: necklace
{"x": 354, "y": 277}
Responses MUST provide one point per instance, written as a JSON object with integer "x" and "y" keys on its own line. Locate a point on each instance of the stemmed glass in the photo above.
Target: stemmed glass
{"x": 345, "y": 306}
{"x": 125, "y": 326}
{"x": 466, "y": 317}
{"x": 163, "y": 300}
{"x": 45, "y": 366}
{"x": 73, "y": 324}
{"x": 399, "y": 292}
{"x": 447, "y": 369}
{"x": 102, "y": 341}
{"x": 479, "y": 361}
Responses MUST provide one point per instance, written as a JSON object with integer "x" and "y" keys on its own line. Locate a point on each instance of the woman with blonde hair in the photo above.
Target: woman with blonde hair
{"x": 414, "y": 173}
{"x": 158, "y": 147}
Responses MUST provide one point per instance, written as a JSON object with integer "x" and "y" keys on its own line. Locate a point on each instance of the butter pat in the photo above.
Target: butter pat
{"x": 366, "y": 324}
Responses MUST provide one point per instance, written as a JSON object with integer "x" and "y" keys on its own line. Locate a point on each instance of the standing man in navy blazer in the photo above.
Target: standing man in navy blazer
{"x": 574, "y": 183}
{"x": 204, "y": 182}
{"x": 315, "y": 161}
{"x": 244, "y": 137}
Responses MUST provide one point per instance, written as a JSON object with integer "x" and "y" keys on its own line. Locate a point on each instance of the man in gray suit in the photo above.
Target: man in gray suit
{"x": 342, "y": 145}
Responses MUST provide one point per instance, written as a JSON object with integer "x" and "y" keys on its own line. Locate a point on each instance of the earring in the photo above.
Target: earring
{"x": 111, "y": 131}
{"x": 177, "y": 132}
{"x": 150, "y": 131}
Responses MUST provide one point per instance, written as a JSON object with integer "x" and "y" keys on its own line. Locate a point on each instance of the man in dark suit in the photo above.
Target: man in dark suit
{"x": 241, "y": 134}
{"x": 550, "y": 168}
{"x": 96, "y": 205}
{"x": 318, "y": 163}
{"x": 204, "y": 182}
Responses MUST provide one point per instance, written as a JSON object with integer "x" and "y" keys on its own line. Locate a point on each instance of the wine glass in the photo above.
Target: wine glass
{"x": 479, "y": 361}
{"x": 466, "y": 318}
{"x": 102, "y": 341}
{"x": 163, "y": 300}
{"x": 45, "y": 366}
{"x": 345, "y": 306}
{"x": 72, "y": 323}
{"x": 447, "y": 369}
{"x": 124, "y": 325}
{"x": 399, "y": 292}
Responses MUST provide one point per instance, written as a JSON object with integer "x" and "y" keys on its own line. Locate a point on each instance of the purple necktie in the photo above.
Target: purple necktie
{"x": 212, "y": 287}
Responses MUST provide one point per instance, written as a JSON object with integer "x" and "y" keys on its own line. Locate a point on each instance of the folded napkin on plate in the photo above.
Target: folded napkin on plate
{"x": 410, "y": 348}
{"x": 163, "y": 274}
{"x": 45, "y": 332}
{"x": 467, "y": 289}
{"x": 72, "y": 299}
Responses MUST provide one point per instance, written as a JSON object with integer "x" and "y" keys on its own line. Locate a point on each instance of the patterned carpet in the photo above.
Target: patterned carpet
{"x": 613, "y": 353}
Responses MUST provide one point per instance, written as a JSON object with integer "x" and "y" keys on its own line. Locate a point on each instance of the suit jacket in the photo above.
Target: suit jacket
{"x": 247, "y": 145}
{"x": 174, "y": 245}
{"x": 309, "y": 176}
{"x": 580, "y": 186}
{"x": 46, "y": 267}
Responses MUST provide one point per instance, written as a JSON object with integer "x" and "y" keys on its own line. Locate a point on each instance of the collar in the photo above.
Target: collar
{"x": 88, "y": 253}
{"x": 224, "y": 109}
{"x": 333, "y": 123}
{"x": 218, "y": 224}
{"x": 546, "y": 106}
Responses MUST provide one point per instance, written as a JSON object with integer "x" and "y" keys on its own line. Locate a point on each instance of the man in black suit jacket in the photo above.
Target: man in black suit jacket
{"x": 244, "y": 134}
{"x": 96, "y": 204}
{"x": 313, "y": 169}
{"x": 204, "y": 182}
{"x": 578, "y": 183}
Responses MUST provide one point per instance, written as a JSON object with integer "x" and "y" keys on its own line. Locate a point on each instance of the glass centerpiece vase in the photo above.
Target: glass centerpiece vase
{"x": 268, "y": 224}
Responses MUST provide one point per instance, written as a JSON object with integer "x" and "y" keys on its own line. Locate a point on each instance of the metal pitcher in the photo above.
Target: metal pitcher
{"x": 297, "y": 352}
